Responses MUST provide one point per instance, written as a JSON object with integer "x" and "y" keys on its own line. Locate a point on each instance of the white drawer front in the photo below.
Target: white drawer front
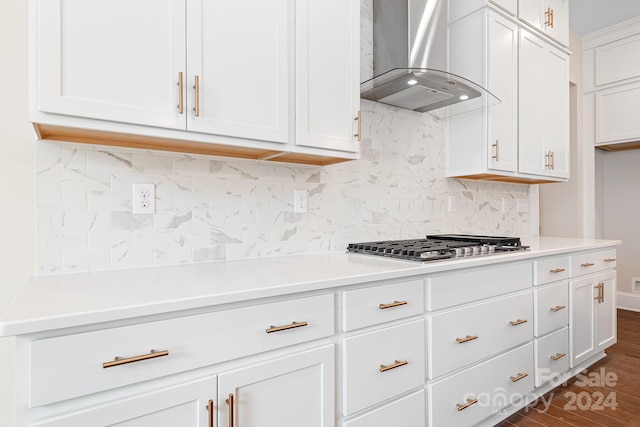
{"x": 461, "y": 288}
{"x": 366, "y": 381}
{"x": 592, "y": 262}
{"x": 451, "y": 334}
{"x": 379, "y": 304}
{"x": 549, "y": 270}
{"x": 551, "y": 307}
{"x": 70, "y": 366}
{"x": 493, "y": 383}
{"x": 406, "y": 412}
{"x": 552, "y": 356}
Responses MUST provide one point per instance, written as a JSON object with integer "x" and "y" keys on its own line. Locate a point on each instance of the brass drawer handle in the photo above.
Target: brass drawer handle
{"x": 231, "y": 409}
{"x": 211, "y": 413}
{"x": 181, "y": 95}
{"x": 587, "y": 264}
{"x": 609, "y": 259}
{"x": 196, "y": 86}
{"x": 497, "y": 155}
{"x": 397, "y": 364}
{"x": 557, "y": 308}
{"x": 359, "y": 120}
{"x": 393, "y": 304}
{"x": 467, "y": 338}
{"x": 518, "y": 322}
{"x": 558, "y": 356}
{"x": 123, "y": 361}
{"x": 462, "y": 407}
{"x": 557, "y": 270}
{"x": 519, "y": 377}
{"x": 293, "y": 325}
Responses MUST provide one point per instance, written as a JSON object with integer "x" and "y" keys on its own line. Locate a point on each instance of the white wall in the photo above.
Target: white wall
{"x": 17, "y": 183}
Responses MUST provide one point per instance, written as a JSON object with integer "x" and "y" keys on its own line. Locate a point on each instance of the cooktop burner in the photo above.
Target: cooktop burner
{"x": 439, "y": 247}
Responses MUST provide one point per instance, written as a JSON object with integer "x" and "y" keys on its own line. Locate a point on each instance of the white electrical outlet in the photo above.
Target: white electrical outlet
{"x": 144, "y": 198}
{"x": 300, "y": 201}
{"x": 522, "y": 205}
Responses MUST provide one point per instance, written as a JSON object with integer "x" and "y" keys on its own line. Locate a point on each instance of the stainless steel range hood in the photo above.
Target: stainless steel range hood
{"x": 410, "y": 61}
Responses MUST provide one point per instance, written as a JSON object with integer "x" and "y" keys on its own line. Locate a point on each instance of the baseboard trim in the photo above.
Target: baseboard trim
{"x": 628, "y": 301}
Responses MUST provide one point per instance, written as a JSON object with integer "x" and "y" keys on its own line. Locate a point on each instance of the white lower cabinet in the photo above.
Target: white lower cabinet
{"x": 552, "y": 356}
{"x": 382, "y": 364}
{"x": 408, "y": 411}
{"x": 184, "y": 405}
{"x": 406, "y": 353}
{"x": 593, "y": 315}
{"x": 471, "y": 395}
{"x": 291, "y": 391}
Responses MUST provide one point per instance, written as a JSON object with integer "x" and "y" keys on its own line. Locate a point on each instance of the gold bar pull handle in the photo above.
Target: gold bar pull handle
{"x": 557, "y": 308}
{"x": 467, "y": 339}
{"x": 558, "y": 356}
{"x": 497, "y": 146}
{"x": 609, "y": 259}
{"x": 553, "y": 154}
{"x": 462, "y": 407}
{"x": 181, "y": 94}
{"x": 587, "y": 264}
{"x": 547, "y": 160}
{"x": 557, "y": 270}
{"x": 359, "y": 120}
{"x": 519, "y": 377}
{"x": 601, "y": 291}
{"x": 196, "y": 86}
{"x": 123, "y": 361}
{"x": 231, "y": 409}
{"x": 393, "y": 304}
{"x": 211, "y": 413}
{"x": 518, "y": 322}
{"x": 552, "y": 18}
{"x": 293, "y": 325}
{"x": 396, "y": 364}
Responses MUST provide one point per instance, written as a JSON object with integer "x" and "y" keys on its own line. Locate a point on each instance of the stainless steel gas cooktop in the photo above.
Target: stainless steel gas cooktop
{"x": 439, "y": 247}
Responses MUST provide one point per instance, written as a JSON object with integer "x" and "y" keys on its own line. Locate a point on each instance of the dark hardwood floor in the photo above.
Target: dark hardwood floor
{"x": 607, "y": 396}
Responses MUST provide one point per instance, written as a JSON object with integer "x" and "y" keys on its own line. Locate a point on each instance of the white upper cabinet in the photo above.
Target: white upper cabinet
{"x": 543, "y": 108}
{"x": 239, "y": 53}
{"x": 328, "y": 73}
{"x": 112, "y": 60}
{"x": 485, "y": 45}
{"x": 194, "y": 75}
{"x": 551, "y": 17}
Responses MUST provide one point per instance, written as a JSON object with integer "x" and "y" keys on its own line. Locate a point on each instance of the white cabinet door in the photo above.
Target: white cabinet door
{"x": 616, "y": 114}
{"x": 113, "y": 60}
{"x": 290, "y": 391}
{"x": 239, "y": 51}
{"x": 551, "y": 17}
{"x": 606, "y": 325}
{"x": 327, "y": 73}
{"x": 543, "y": 108}
{"x": 185, "y": 405}
{"x": 593, "y": 315}
{"x": 503, "y": 82}
{"x": 582, "y": 320}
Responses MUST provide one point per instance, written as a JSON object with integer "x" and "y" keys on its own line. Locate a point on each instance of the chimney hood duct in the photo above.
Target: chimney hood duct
{"x": 410, "y": 59}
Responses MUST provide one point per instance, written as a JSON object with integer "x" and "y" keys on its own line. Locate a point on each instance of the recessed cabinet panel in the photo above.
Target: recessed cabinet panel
{"x": 239, "y": 51}
{"x": 291, "y": 391}
{"x": 617, "y": 118}
{"x": 327, "y": 72}
{"x": 552, "y": 308}
{"x": 184, "y": 405}
{"x": 190, "y": 342}
{"x": 382, "y": 364}
{"x": 408, "y": 411}
{"x": 82, "y": 72}
{"x": 552, "y": 356}
{"x": 617, "y": 61}
{"x": 460, "y": 337}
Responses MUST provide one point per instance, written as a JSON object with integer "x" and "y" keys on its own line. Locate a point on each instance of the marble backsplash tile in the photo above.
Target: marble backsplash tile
{"x": 211, "y": 209}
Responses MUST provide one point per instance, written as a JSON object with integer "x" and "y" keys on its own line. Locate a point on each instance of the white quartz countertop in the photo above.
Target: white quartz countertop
{"x": 59, "y": 301}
